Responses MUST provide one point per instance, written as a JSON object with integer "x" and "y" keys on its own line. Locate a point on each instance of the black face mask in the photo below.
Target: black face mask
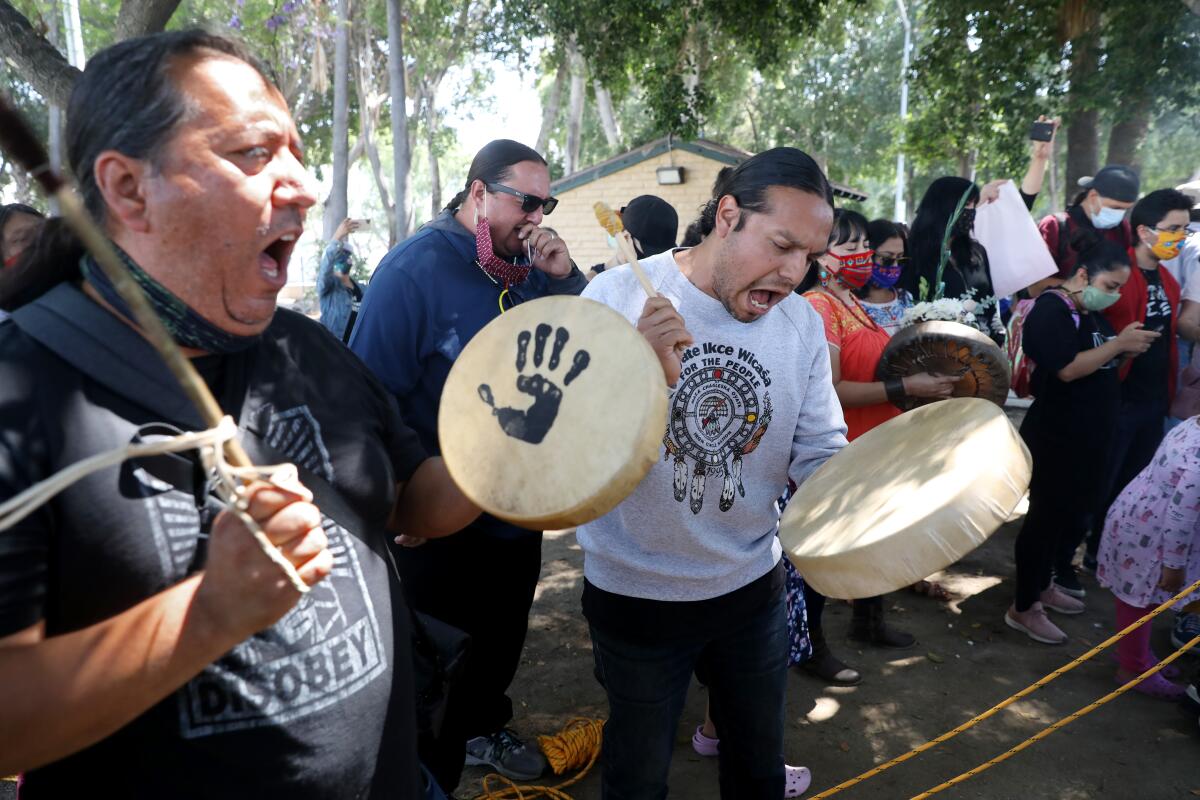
{"x": 965, "y": 222}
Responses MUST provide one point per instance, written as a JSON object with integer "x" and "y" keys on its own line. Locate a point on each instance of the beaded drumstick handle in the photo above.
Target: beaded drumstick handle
{"x": 21, "y": 143}
{"x": 611, "y": 221}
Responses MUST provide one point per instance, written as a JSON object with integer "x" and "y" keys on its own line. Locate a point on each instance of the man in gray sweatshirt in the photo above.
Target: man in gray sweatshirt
{"x": 685, "y": 574}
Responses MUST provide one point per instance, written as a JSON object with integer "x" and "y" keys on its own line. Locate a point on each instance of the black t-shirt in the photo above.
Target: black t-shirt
{"x": 1149, "y": 373}
{"x": 318, "y": 706}
{"x": 1069, "y": 425}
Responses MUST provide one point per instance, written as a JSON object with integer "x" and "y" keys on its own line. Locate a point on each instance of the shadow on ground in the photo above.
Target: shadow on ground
{"x": 966, "y": 660}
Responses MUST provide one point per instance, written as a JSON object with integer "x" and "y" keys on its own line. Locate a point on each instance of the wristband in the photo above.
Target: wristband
{"x": 894, "y": 388}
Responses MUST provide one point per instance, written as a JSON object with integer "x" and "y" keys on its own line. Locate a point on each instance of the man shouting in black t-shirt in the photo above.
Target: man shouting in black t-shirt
{"x": 148, "y": 648}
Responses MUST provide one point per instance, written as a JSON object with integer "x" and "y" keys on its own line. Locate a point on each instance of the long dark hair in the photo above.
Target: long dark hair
{"x": 880, "y": 230}
{"x": 492, "y": 164}
{"x": 126, "y": 100}
{"x": 748, "y": 182}
{"x": 1101, "y": 255}
{"x": 847, "y": 224}
{"x": 929, "y": 228}
{"x": 7, "y": 212}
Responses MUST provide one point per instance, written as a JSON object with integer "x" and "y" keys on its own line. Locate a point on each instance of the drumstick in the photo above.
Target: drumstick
{"x": 26, "y": 150}
{"x": 611, "y": 221}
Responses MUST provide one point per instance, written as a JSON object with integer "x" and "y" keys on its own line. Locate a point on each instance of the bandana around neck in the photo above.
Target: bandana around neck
{"x": 485, "y": 254}
{"x": 187, "y": 327}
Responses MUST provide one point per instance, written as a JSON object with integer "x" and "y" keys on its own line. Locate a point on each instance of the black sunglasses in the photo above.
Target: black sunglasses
{"x": 529, "y": 202}
{"x": 890, "y": 261}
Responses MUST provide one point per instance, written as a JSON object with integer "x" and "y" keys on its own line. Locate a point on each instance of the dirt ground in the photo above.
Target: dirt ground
{"x": 965, "y": 660}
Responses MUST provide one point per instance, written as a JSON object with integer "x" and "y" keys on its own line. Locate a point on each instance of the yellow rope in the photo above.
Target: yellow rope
{"x": 1042, "y": 734}
{"x": 577, "y": 746}
{"x": 1003, "y": 704}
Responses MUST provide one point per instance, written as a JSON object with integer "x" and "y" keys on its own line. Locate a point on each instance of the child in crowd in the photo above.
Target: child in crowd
{"x": 1150, "y": 549}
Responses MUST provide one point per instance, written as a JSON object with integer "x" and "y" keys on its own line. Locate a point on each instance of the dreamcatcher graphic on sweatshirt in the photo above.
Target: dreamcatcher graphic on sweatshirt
{"x": 717, "y": 418}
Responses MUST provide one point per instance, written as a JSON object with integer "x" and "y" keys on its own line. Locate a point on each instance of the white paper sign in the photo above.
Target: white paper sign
{"x": 1016, "y": 251}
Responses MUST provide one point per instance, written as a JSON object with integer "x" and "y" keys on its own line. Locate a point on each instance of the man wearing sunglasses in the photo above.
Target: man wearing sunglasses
{"x": 429, "y": 296}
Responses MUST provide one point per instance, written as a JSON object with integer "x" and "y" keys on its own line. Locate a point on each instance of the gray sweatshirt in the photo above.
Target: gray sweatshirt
{"x": 754, "y": 406}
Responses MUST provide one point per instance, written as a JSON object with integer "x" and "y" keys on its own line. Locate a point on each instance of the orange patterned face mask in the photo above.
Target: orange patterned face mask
{"x": 1168, "y": 244}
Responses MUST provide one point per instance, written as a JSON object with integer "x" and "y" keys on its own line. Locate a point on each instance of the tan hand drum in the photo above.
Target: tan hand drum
{"x": 553, "y": 413}
{"x": 906, "y": 499}
{"x": 948, "y": 348}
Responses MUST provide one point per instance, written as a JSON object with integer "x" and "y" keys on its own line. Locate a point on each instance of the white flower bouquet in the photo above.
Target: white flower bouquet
{"x": 944, "y": 309}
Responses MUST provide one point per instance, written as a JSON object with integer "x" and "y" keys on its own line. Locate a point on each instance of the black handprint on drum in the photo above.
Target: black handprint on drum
{"x": 533, "y": 423}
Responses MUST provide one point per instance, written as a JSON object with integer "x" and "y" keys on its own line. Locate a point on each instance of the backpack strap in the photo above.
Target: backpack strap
{"x": 1064, "y": 236}
{"x": 1061, "y": 295}
{"x": 68, "y": 323}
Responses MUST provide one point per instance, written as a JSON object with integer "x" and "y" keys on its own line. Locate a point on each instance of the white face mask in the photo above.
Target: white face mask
{"x": 1107, "y": 218}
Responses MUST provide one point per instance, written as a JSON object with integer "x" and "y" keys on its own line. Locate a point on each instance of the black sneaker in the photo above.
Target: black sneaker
{"x": 506, "y": 754}
{"x": 1068, "y": 583}
{"x": 1186, "y": 628}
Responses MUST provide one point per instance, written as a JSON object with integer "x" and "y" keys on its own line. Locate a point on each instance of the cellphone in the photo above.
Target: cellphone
{"x": 1041, "y": 131}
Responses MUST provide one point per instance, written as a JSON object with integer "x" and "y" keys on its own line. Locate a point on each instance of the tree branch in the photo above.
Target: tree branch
{"x": 38, "y": 61}
{"x": 139, "y": 17}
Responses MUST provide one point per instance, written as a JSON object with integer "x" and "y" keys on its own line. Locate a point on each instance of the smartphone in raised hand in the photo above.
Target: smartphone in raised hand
{"x": 1041, "y": 131}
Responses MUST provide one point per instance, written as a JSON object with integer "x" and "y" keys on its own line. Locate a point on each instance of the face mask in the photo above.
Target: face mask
{"x": 855, "y": 269}
{"x": 485, "y": 254}
{"x": 886, "y": 277}
{"x": 965, "y": 222}
{"x": 1107, "y": 218}
{"x": 1095, "y": 299}
{"x": 1167, "y": 245}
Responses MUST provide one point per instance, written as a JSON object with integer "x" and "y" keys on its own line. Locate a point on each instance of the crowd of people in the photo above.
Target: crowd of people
{"x": 141, "y": 628}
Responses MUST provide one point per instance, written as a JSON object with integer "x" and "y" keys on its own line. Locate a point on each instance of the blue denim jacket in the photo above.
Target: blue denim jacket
{"x": 335, "y": 299}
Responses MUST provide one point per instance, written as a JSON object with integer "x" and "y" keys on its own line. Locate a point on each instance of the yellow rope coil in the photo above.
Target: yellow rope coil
{"x": 577, "y": 746}
{"x": 1003, "y": 704}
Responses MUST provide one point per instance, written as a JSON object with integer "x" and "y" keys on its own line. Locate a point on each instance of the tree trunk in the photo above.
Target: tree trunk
{"x": 55, "y": 117}
{"x": 553, "y": 104}
{"x": 139, "y": 17}
{"x": 435, "y": 174}
{"x": 38, "y": 62}
{"x": 575, "y": 112}
{"x": 608, "y": 119}
{"x": 1128, "y": 133}
{"x": 1083, "y": 139}
{"x": 368, "y": 119}
{"x": 57, "y": 150}
{"x": 401, "y": 153}
{"x": 73, "y": 34}
{"x": 336, "y": 207}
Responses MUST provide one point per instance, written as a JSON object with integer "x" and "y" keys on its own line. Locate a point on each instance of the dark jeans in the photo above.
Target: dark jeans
{"x": 1140, "y": 431}
{"x": 483, "y": 585}
{"x": 1054, "y": 518}
{"x": 745, "y": 669}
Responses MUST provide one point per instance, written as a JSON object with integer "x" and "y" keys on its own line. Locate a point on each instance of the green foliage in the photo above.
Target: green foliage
{"x": 985, "y": 70}
{"x": 682, "y": 45}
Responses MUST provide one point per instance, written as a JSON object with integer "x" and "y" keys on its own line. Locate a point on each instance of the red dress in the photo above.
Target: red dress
{"x": 859, "y": 343}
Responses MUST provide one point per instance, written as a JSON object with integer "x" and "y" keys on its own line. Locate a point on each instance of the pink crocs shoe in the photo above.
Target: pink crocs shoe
{"x": 796, "y": 780}
{"x": 706, "y": 746}
{"x": 1154, "y": 686}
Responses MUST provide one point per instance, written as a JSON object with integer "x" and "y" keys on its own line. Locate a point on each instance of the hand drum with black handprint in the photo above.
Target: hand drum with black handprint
{"x": 533, "y": 423}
